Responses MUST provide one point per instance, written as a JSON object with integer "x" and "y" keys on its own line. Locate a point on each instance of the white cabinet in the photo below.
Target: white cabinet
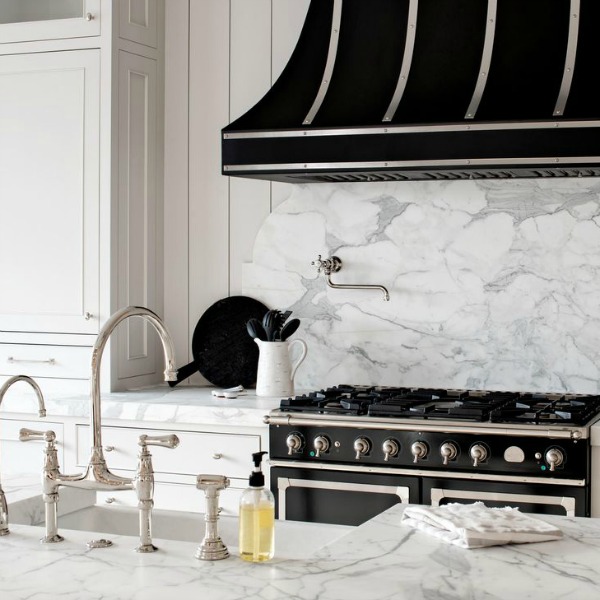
{"x": 80, "y": 187}
{"x": 175, "y": 470}
{"x": 49, "y": 191}
{"x": 26, "y": 20}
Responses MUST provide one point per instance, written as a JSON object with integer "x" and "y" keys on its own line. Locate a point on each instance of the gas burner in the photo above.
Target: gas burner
{"x": 447, "y": 404}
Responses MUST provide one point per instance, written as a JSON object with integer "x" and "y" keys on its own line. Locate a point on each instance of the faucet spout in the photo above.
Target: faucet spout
{"x": 42, "y": 412}
{"x": 36, "y": 388}
{"x": 97, "y": 470}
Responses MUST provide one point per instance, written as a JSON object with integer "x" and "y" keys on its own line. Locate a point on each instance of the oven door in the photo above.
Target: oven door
{"x": 339, "y": 497}
{"x": 533, "y": 497}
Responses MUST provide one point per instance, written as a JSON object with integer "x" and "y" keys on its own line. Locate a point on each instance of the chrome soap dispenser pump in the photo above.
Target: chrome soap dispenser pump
{"x": 257, "y": 517}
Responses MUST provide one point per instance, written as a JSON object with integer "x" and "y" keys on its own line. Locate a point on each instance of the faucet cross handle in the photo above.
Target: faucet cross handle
{"x": 166, "y": 441}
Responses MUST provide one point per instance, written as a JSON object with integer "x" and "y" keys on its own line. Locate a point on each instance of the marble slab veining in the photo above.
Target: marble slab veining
{"x": 493, "y": 284}
{"x": 180, "y": 405}
{"x": 380, "y": 560}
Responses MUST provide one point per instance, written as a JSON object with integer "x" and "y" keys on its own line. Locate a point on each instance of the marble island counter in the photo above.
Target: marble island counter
{"x": 381, "y": 559}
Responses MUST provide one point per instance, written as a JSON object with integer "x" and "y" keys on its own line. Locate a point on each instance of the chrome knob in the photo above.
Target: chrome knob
{"x": 89, "y": 16}
{"x": 321, "y": 445}
{"x": 361, "y": 447}
{"x": 419, "y": 450}
{"x": 293, "y": 442}
{"x": 390, "y": 448}
{"x": 478, "y": 453}
{"x": 449, "y": 451}
{"x": 554, "y": 457}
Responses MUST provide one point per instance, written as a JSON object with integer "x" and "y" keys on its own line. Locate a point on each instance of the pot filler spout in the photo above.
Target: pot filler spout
{"x": 393, "y": 90}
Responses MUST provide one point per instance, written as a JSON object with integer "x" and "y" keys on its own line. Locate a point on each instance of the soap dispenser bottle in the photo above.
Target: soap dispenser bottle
{"x": 257, "y": 517}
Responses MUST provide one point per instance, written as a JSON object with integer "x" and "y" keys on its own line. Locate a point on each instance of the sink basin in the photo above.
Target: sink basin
{"x": 293, "y": 539}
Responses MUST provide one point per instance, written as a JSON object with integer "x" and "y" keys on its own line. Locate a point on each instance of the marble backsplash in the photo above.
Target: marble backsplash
{"x": 493, "y": 284}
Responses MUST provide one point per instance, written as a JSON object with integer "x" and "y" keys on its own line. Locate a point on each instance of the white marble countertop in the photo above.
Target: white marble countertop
{"x": 379, "y": 560}
{"x": 182, "y": 405}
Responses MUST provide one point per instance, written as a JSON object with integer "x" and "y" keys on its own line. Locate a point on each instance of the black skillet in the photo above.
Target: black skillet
{"x": 222, "y": 350}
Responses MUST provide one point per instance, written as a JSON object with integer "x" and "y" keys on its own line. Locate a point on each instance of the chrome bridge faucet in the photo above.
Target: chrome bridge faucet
{"x": 97, "y": 475}
{"x": 42, "y": 412}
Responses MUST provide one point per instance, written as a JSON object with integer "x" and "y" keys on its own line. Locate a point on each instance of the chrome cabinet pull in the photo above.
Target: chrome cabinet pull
{"x": 50, "y": 361}
{"x": 109, "y": 448}
{"x": 217, "y": 456}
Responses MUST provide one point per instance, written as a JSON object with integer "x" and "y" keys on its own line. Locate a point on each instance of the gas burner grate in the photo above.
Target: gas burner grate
{"x": 447, "y": 404}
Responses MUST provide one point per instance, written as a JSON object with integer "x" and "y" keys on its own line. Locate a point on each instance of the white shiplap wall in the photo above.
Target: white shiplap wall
{"x": 221, "y": 58}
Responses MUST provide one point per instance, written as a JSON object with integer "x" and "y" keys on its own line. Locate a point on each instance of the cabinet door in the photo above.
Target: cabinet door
{"x": 29, "y": 20}
{"x": 49, "y": 191}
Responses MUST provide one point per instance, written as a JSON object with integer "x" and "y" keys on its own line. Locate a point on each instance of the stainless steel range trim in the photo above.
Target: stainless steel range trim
{"x": 438, "y": 494}
{"x": 396, "y": 129}
{"x": 331, "y": 56}
{"x": 486, "y": 59}
{"x": 349, "y": 421}
{"x": 297, "y": 464}
{"x": 283, "y": 483}
{"x": 454, "y": 162}
{"x": 565, "y": 86}
{"x": 409, "y": 45}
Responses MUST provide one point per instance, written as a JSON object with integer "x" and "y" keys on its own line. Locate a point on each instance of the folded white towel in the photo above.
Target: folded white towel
{"x": 476, "y": 525}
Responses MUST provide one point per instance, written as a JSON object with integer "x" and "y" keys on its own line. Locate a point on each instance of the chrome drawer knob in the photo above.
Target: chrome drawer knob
{"x": 109, "y": 448}
{"x": 217, "y": 456}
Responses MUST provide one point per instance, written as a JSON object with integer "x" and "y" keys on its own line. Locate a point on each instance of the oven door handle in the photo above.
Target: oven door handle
{"x": 283, "y": 483}
{"x": 438, "y": 494}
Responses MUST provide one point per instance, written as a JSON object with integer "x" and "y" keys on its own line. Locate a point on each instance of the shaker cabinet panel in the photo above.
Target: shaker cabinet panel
{"x": 138, "y": 21}
{"x": 49, "y": 191}
{"x": 27, "y": 20}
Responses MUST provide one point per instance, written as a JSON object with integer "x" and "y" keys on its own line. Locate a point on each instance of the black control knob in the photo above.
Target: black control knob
{"x": 555, "y": 458}
{"x": 321, "y": 445}
{"x": 294, "y": 442}
{"x": 449, "y": 452}
{"x": 361, "y": 447}
{"x": 419, "y": 450}
{"x": 479, "y": 454}
{"x": 390, "y": 448}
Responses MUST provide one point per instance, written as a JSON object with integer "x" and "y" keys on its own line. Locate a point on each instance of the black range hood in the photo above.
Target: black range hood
{"x": 392, "y": 90}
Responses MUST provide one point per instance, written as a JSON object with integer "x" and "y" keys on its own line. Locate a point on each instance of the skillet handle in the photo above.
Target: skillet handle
{"x": 184, "y": 373}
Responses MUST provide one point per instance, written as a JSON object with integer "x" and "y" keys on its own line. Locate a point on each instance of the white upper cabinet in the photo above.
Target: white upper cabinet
{"x": 49, "y": 191}
{"x": 80, "y": 189}
{"x": 29, "y": 20}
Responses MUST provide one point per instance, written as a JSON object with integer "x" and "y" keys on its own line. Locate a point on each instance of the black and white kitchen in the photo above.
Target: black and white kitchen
{"x": 359, "y": 237}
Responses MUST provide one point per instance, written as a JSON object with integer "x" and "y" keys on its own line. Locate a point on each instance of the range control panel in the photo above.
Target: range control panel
{"x": 467, "y": 452}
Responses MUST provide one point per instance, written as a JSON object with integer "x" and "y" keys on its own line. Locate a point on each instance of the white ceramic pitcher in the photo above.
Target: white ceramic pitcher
{"x": 276, "y": 372}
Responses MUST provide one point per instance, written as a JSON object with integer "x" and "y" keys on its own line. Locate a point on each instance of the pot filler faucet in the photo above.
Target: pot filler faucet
{"x": 97, "y": 476}
{"x": 42, "y": 412}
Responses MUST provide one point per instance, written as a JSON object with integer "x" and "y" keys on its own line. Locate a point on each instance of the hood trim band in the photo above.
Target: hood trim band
{"x": 452, "y": 162}
{"x": 291, "y": 133}
{"x": 334, "y": 37}
{"x": 565, "y": 86}
{"x": 409, "y": 46}
{"x": 486, "y": 59}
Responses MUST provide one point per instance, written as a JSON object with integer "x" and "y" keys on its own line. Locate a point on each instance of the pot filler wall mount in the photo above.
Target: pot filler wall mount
{"x": 393, "y": 90}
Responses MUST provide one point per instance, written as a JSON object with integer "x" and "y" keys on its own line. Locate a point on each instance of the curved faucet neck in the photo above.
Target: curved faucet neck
{"x": 97, "y": 351}
{"x": 32, "y": 383}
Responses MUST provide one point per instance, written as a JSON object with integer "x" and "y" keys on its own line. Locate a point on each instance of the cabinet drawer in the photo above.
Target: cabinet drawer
{"x": 177, "y": 496}
{"x": 27, "y": 457}
{"x": 216, "y": 453}
{"x": 66, "y": 362}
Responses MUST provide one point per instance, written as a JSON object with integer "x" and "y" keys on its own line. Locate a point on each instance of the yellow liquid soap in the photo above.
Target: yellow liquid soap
{"x": 257, "y": 532}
